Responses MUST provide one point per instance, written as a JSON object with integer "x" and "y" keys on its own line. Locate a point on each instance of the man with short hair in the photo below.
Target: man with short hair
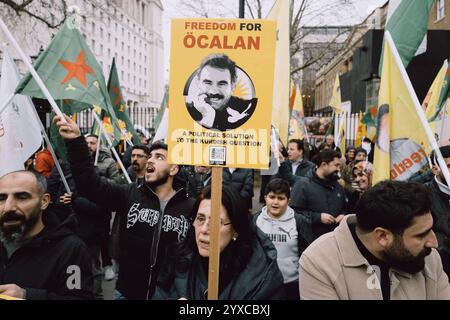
{"x": 213, "y": 106}
{"x": 296, "y": 166}
{"x": 289, "y": 231}
{"x": 320, "y": 197}
{"x": 384, "y": 252}
{"x": 40, "y": 257}
{"x": 440, "y": 207}
{"x": 157, "y": 215}
{"x": 139, "y": 156}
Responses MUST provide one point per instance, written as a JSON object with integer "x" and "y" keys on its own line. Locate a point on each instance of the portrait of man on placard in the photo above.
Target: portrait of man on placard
{"x": 219, "y": 95}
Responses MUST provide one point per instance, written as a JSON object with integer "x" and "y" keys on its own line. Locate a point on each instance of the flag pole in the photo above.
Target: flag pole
{"x": 419, "y": 109}
{"x": 99, "y": 141}
{"x": 33, "y": 72}
{"x": 125, "y": 173}
{"x": 126, "y": 137}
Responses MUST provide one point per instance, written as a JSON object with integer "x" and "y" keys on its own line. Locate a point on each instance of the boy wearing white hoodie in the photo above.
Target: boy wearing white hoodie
{"x": 289, "y": 231}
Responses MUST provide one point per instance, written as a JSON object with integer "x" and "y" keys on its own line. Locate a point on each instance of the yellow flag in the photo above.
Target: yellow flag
{"x": 296, "y": 124}
{"x": 335, "y": 101}
{"x": 280, "y": 108}
{"x": 432, "y": 98}
{"x": 341, "y": 137}
{"x": 361, "y": 131}
{"x": 401, "y": 143}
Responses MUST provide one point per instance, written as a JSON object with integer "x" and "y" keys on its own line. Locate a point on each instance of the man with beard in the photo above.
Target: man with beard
{"x": 440, "y": 208}
{"x": 152, "y": 214}
{"x": 384, "y": 252}
{"x": 213, "y": 105}
{"x": 139, "y": 156}
{"x": 320, "y": 197}
{"x": 40, "y": 257}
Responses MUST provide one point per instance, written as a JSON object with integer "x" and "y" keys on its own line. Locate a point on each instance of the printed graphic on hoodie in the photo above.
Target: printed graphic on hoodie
{"x": 180, "y": 224}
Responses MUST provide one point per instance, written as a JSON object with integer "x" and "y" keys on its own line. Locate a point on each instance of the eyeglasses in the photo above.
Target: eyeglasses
{"x": 201, "y": 220}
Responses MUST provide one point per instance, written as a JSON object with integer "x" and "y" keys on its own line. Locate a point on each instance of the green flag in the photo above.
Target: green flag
{"x": 70, "y": 71}
{"x": 162, "y": 108}
{"x": 443, "y": 95}
{"x": 119, "y": 105}
{"x": 408, "y": 25}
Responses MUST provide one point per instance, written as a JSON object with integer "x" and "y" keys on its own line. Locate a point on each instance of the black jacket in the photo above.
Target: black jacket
{"x": 144, "y": 232}
{"x": 47, "y": 265}
{"x": 313, "y": 196}
{"x": 260, "y": 280}
{"x": 241, "y": 180}
{"x": 92, "y": 220}
{"x": 440, "y": 210}
{"x": 304, "y": 169}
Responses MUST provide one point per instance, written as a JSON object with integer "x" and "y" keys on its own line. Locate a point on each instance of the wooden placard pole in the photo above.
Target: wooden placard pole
{"x": 214, "y": 238}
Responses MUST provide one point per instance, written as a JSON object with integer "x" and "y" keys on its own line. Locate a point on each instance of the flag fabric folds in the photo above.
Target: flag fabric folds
{"x": 119, "y": 105}
{"x": 280, "y": 107}
{"x": 162, "y": 120}
{"x": 402, "y": 146}
{"x": 408, "y": 25}
{"x": 297, "y": 128}
{"x": 70, "y": 72}
{"x": 20, "y": 133}
{"x": 360, "y": 131}
{"x": 335, "y": 101}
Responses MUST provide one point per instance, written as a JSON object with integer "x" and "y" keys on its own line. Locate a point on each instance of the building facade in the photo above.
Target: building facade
{"x": 317, "y": 46}
{"x": 128, "y": 30}
{"x": 343, "y": 62}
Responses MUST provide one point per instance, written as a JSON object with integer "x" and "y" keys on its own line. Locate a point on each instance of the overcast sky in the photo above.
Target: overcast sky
{"x": 321, "y": 12}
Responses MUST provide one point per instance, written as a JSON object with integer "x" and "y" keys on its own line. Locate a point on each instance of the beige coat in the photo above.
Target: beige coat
{"x": 333, "y": 268}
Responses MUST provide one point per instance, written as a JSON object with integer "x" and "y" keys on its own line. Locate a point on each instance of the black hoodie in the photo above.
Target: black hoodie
{"x": 144, "y": 232}
{"x": 48, "y": 265}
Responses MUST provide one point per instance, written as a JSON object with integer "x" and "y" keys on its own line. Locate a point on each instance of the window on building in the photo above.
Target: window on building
{"x": 122, "y": 75}
{"x": 128, "y": 22}
{"x": 134, "y": 53}
{"x": 101, "y": 49}
{"x": 123, "y": 62}
{"x": 440, "y": 5}
{"x": 140, "y": 82}
{"x": 109, "y": 37}
{"x": 140, "y": 69}
{"x": 115, "y": 27}
{"x": 145, "y": 46}
{"x": 145, "y": 84}
{"x": 145, "y": 71}
{"x": 140, "y": 57}
{"x": 101, "y": 33}
{"x": 115, "y": 42}
{"x": 143, "y": 14}
{"x": 93, "y": 27}
{"x": 129, "y": 50}
{"x": 134, "y": 40}
{"x": 134, "y": 67}
{"x": 109, "y": 21}
{"x": 128, "y": 64}
{"x": 134, "y": 26}
{"x": 123, "y": 46}
{"x": 123, "y": 32}
{"x": 134, "y": 80}
{"x": 128, "y": 78}
{"x": 109, "y": 53}
{"x": 93, "y": 45}
{"x": 145, "y": 59}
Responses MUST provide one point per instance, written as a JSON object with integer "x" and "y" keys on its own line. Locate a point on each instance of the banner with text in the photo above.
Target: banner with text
{"x": 221, "y": 87}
